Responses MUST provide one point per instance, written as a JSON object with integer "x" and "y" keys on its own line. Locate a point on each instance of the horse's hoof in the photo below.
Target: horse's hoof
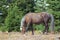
{"x": 32, "y": 34}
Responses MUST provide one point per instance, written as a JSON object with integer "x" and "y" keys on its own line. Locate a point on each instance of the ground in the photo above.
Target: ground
{"x": 28, "y": 36}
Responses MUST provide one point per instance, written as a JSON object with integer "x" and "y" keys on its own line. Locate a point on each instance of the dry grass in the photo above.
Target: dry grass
{"x": 3, "y": 36}
{"x": 28, "y": 36}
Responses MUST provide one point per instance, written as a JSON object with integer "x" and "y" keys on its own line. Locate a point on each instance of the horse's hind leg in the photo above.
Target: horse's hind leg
{"x": 46, "y": 28}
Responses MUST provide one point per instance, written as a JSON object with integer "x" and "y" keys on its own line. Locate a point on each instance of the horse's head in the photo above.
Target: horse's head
{"x": 21, "y": 26}
{"x": 22, "y": 23}
{"x": 22, "y": 29}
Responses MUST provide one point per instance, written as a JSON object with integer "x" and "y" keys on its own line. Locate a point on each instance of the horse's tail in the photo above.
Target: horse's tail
{"x": 52, "y": 23}
{"x": 22, "y": 22}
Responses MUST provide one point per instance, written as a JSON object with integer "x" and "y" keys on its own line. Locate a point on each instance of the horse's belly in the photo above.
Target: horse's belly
{"x": 37, "y": 21}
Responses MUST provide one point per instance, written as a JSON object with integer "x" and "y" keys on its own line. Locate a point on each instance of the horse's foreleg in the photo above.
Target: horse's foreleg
{"x": 28, "y": 24}
{"x": 32, "y": 29}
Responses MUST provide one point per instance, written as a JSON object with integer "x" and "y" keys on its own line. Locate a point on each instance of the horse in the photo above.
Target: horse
{"x": 37, "y": 18}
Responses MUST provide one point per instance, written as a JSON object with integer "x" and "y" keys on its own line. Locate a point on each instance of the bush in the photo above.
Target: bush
{"x": 12, "y": 21}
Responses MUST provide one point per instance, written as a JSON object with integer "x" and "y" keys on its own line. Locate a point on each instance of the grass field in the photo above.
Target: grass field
{"x": 28, "y": 36}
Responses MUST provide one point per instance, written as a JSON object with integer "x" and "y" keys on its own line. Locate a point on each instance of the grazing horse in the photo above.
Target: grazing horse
{"x": 37, "y": 18}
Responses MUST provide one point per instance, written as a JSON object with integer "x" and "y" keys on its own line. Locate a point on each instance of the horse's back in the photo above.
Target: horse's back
{"x": 33, "y": 17}
{"x": 36, "y": 17}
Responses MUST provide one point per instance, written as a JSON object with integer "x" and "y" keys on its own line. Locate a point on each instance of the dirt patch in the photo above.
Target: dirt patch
{"x": 3, "y": 36}
{"x": 18, "y": 36}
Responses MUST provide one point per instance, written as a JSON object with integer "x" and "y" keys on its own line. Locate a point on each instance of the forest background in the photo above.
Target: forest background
{"x": 12, "y": 11}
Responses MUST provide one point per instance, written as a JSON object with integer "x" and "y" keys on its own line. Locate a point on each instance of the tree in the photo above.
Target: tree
{"x": 41, "y": 5}
{"x": 15, "y": 12}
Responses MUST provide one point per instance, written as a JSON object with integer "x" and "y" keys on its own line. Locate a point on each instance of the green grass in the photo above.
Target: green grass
{"x": 38, "y": 27}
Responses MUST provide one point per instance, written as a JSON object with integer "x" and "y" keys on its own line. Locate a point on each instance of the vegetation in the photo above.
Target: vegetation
{"x": 13, "y": 10}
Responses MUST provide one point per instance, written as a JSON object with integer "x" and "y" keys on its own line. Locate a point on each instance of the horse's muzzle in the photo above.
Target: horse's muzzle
{"x": 20, "y": 28}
